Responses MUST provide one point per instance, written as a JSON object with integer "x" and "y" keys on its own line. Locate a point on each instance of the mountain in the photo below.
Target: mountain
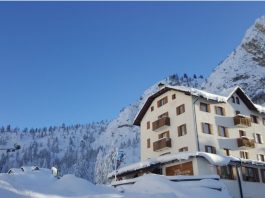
{"x": 245, "y": 66}
{"x": 88, "y": 151}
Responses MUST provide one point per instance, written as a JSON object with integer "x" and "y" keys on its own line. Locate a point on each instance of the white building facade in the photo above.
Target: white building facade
{"x": 180, "y": 119}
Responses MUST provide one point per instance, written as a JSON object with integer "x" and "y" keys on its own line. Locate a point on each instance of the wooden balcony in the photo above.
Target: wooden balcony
{"x": 161, "y": 123}
{"x": 162, "y": 144}
{"x": 245, "y": 142}
{"x": 242, "y": 121}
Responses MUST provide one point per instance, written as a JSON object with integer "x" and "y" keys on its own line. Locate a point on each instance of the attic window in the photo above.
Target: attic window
{"x": 204, "y": 107}
{"x": 173, "y": 96}
{"x": 254, "y": 119}
{"x": 162, "y": 101}
{"x": 233, "y": 99}
{"x": 237, "y": 100}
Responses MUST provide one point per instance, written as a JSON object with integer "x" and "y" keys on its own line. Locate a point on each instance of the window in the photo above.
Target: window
{"x": 250, "y": 174}
{"x": 244, "y": 154}
{"x": 180, "y": 109}
{"x": 237, "y": 112}
{"x": 254, "y": 119}
{"x": 182, "y": 130}
{"x": 173, "y": 96}
{"x": 225, "y": 172}
{"x": 210, "y": 149}
{"x": 183, "y": 149}
{"x": 148, "y": 125}
{"x": 262, "y": 172}
{"x": 152, "y": 108}
{"x": 226, "y": 152}
{"x": 261, "y": 157}
{"x": 162, "y": 101}
{"x": 237, "y": 100}
{"x": 206, "y": 128}
{"x": 164, "y": 115}
{"x": 204, "y": 107}
{"x": 233, "y": 99}
{"x": 148, "y": 143}
{"x": 242, "y": 133}
{"x": 222, "y": 131}
{"x": 258, "y": 138}
{"x": 219, "y": 110}
{"x": 163, "y": 135}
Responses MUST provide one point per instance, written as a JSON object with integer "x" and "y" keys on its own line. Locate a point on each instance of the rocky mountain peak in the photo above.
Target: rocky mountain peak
{"x": 244, "y": 67}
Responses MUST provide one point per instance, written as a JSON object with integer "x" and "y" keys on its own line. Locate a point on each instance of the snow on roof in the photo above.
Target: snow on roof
{"x": 201, "y": 93}
{"x": 225, "y": 95}
{"x": 214, "y": 159}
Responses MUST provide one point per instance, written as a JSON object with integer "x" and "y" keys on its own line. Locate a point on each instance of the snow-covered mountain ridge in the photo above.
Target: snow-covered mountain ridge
{"x": 245, "y": 66}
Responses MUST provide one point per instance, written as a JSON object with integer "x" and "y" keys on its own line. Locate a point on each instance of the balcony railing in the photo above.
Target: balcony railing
{"x": 242, "y": 121}
{"x": 162, "y": 144}
{"x": 165, "y": 121}
{"x": 245, "y": 142}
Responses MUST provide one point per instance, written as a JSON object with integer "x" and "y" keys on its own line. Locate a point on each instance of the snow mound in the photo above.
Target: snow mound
{"x": 42, "y": 184}
{"x": 161, "y": 186}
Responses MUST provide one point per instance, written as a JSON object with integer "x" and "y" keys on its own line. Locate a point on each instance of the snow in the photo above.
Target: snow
{"x": 161, "y": 186}
{"x": 42, "y": 184}
{"x": 213, "y": 159}
{"x": 241, "y": 67}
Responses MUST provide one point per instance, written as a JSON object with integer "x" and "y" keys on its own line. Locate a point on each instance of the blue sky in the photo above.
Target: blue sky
{"x": 78, "y": 62}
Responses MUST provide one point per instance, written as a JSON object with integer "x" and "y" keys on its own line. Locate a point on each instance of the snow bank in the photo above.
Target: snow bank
{"x": 161, "y": 186}
{"x": 42, "y": 184}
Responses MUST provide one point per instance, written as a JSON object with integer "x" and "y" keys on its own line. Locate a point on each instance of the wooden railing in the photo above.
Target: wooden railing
{"x": 161, "y": 144}
{"x": 165, "y": 121}
{"x": 245, "y": 142}
{"x": 242, "y": 121}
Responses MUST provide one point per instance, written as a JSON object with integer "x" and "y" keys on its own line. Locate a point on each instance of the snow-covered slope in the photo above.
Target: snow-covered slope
{"x": 87, "y": 151}
{"x": 41, "y": 183}
{"x": 245, "y": 66}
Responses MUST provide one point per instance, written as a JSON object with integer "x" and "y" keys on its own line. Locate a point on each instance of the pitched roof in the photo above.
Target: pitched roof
{"x": 199, "y": 93}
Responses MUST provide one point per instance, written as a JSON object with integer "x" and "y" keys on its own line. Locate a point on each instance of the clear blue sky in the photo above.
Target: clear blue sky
{"x": 66, "y": 62}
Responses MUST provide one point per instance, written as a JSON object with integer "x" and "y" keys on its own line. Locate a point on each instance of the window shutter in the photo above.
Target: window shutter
{"x": 258, "y": 157}
{"x": 261, "y": 138}
{"x": 202, "y": 127}
{"x": 211, "y": 128}
{"x": 214, "y": 149}
{"x": 226, "y": 132}
{"x": 166, "y": 99}
{"x": 179, "y": 133}
{"x": 216, "y": 109}
{"x": 255, "y": 137}
{"x": 209, "y": 108}
{"x": 224, "y": 113}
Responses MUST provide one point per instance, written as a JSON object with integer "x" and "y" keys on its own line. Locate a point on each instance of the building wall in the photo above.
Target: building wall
{"x": 227, "y": 121}
{"x": 175, "y": 120}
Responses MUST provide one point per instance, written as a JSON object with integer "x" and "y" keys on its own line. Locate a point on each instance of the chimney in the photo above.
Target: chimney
{"x": 161, "y": 86}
